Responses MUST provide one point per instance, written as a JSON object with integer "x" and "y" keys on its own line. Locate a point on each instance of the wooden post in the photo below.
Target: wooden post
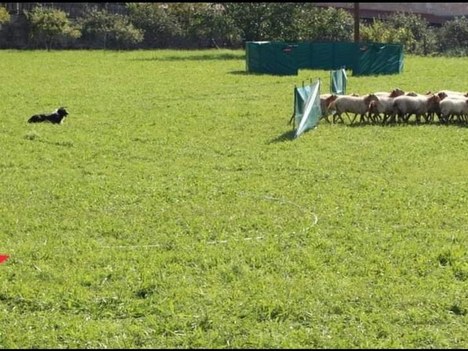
{"x": 356, "y": 22}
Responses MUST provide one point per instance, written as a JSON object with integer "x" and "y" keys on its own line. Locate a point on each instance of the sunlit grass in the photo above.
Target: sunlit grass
{"x": 172, "y": 209}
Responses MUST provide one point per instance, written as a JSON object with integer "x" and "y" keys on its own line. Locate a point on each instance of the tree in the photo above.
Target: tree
{"x": 48, "y": 25}
{"x": 380, "y": 32}
{"x": 159, "y": 27}
{"x": 110, "y": 30}
{"x": 4, "y": 15}
{"x": 251, "y": 18}
{"x": 324, "y": 24}
{"x": 201, "y": 23}
{"x": 422, "y": 39}
{"x": 453, "y": 36}
{"x": 212, "y": 24}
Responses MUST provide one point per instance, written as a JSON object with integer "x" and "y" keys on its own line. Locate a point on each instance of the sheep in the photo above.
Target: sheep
{"x": 325, "y": 101}
{"x": 404, "y": 106}
{"x": 359, "y": 105}
{"x": 384, "y": 105}
{"x": 394, "y": 93}
{"x": 450, "y": 107}
{"x": 451, "y": 93}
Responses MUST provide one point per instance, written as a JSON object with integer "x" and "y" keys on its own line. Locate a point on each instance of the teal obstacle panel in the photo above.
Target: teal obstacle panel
{"x": 284, "y": 58}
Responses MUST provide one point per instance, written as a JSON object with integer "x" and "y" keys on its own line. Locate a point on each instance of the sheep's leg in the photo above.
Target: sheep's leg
{"x": 337, "y": 116}
{"x": 363, "y": 118}
{"x": 377, "y": 118}
{"x": 353, "y": 119}
{"x": 340, "y": 117}
{"x": 406, "y": 117}
{"x": 418, "y": 118}
{"x": 443, "y": 118}
{"x": 387, "y": 118}
{"x": 428, "y": 117}
{"x": 325, "y": 117}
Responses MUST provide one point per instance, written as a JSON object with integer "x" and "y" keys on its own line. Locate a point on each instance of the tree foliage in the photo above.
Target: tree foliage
{"x": 423, "y": 39}
{"x": 4, "y": 15}
{"x": 453, "y": 36}
{"x": 380, "y": 32}
{"x": 251, "y": 18}
{"x": 410, "y": 30}
{"x": 110, "y": 30}
{"x": 230, "y": 24}
{"x": 48, "y": 25}
{"x": 159, "y": 27}
{"x": 325, "y": 24}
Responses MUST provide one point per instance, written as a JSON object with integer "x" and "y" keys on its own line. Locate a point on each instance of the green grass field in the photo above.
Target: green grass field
{"x": 172, "y": 209}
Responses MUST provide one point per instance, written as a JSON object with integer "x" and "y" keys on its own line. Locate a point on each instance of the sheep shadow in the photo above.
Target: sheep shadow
{"x": 409, "y": 124}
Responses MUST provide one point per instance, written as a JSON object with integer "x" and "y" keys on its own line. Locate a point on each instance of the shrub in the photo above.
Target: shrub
{"x": 453, "y": 36}
{"x": 412, "y": 31}
{"x": 329, "y": 24}
{"x": 379, "y": 31}
{"x": 49, "y": 25}
{"x": 158, "y": 26}
{"x": 4, "y": 15}
{"x": 422, "y": 41}
{"x": 105, "y": 30}
{"x": 264, "y": 21}
{"x": 207, "y": 24}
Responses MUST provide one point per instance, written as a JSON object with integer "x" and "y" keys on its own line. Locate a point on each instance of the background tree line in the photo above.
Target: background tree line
{"x": 229, "y": 25}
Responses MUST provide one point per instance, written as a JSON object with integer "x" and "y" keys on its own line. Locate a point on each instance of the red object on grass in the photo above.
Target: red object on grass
{"x": 3, "y": 258}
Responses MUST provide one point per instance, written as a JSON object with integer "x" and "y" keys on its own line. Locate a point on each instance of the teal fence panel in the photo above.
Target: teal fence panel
{"x": 287, "y": 58}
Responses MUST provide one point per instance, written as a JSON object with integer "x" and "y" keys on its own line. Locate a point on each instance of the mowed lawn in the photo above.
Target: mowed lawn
{"x": 172, "y": 209}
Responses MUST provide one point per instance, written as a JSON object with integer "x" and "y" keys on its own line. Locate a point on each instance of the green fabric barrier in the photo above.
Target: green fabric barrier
{"x": 307, "y": 111}
{"x": 376, "y": 58}
{"x": 271, "y": 57}
{"x": 286, "y": 58}
{"x": 338, "y": 81}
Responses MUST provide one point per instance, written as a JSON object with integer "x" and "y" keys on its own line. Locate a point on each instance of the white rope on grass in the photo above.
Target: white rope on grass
{"x": 269, "y": 198}
{"x": 213, "y": 242}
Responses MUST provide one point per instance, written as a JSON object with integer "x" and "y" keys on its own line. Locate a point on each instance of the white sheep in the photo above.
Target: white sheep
{"x": 394, "y": 93}
{"x": 384, "y": 105}
{"x": 451, "y": 107}
{"x": 451, "y": 93}
{"x": 358, "y": 105}
{"x": 404, "y": 106}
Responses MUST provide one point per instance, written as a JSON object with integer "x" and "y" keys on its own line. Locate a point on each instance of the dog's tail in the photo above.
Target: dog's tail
{"x": 36, "y": 119}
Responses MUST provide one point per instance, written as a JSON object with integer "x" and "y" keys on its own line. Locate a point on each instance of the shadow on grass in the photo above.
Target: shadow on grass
{"x": 286, "y": 136}
{"x": 36, "y": 138}
{"x": 240, "y": 73}
{"x": 409, "y": 124}
{"x": 204, "y": 57}
{"x": 245, "y": 73}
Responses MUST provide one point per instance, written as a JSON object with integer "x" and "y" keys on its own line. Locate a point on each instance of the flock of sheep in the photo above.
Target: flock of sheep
{"x": 397, "y": 106}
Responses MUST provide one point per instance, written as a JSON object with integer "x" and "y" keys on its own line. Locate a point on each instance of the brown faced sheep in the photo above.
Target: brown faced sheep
{"x": 404, "y": 106}
{"x": 358, "y": 105}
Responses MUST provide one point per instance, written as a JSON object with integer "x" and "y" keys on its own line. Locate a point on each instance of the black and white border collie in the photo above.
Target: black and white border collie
{"x": 55, "y": 117}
